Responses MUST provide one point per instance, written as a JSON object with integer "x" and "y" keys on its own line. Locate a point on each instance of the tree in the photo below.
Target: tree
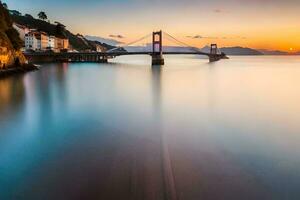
{"x": 29, "y": 16}
{"x": 15, "y": 12}
{"x": 60, "y": 29}
{"x": 42, "y": 15}
{"x": 5, "y": 5}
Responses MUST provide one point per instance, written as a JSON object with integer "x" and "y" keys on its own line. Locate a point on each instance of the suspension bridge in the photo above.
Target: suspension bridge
{"x": 156, "y": 52}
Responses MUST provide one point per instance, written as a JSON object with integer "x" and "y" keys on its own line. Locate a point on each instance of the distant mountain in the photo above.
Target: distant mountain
{"x": 271, "y": 52}
{"x": 241, "y": 51}
{"x": 103, "y": 40}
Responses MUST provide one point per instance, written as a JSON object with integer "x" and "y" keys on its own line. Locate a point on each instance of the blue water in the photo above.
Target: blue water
{"x": 124, "y": 130}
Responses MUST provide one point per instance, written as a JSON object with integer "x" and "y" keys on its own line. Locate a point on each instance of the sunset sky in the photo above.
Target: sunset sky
{"x": 262, "y": 24}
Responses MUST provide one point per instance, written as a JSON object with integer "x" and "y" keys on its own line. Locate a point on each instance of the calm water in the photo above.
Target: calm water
{"x": 190, "y": 130}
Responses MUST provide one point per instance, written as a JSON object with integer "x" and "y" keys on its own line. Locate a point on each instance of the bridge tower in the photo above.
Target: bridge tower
{"x": 213, "y": 49}
{"x": 213, "y": 56}
{"x": 157, "y": 56}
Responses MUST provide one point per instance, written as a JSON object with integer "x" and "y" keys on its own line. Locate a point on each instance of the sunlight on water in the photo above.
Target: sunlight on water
{"x": 100, "y": 131}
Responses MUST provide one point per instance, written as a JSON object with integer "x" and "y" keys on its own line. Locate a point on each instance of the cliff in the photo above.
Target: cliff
{"x": 10, "y": 43}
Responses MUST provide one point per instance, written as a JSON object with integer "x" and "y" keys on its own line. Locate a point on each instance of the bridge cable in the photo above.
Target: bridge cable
{"x": 130, "y": 43}
{"x": 182, "y": 43}
{"x": 191, "y": 47}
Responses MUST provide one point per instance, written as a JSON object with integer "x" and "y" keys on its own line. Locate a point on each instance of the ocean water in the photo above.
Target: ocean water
{"x": 125, "y": 130}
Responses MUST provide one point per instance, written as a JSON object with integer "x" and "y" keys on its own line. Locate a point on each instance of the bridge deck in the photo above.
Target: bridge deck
{"x": 103, "y": 57}
{"x": 111, "y": 54}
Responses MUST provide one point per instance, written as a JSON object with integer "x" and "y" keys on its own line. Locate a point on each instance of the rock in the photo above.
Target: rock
{"x": 10, "y": 54}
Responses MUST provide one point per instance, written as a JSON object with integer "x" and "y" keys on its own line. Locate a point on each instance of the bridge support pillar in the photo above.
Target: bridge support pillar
{"x": 157, "y": 59}
{"x": 157, "y": 56}
{"x": 214, "y": 56}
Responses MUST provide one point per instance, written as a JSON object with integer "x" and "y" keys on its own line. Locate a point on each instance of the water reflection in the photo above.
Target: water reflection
{"x": 188, "y": 130}
{"x": 157, "y": 90}
{"x": 12, "y": 95}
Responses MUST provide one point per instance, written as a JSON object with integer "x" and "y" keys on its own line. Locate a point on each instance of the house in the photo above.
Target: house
{"x": 37, "y": 41}
{"x": 66, "y": 43}
{"x": 31, "y": 41}
{"x": 61, "y": 44}
{"x": 51, "y": 43}
{"x": 100, "y": 48}
{"x": 41, "y": 41}
{"x": 22, "y": 30}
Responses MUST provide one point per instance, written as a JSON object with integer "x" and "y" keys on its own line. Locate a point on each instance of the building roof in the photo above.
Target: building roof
{"x": 36, "y": 34}
{"x": 21, "y": 26}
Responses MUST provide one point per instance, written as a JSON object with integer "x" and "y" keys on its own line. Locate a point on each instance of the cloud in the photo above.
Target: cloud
{"x": 218, "y": 10}
{"x": 214, "y": 38}
{"x": 117, "y": 36}
{"x": 201, "y": 37}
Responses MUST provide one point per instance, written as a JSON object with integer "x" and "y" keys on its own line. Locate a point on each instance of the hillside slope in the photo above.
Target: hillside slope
{"x": 10, "y": 43}
{"x": 240, "y": 51}
{"x": 77, "y": 42}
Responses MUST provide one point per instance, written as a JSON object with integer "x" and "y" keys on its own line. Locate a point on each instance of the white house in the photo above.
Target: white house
{"x": 31, "y": 41}
{"x": 51, "y": 43}
{"x": 41, "y": 41}
{"x": 22, "y": 30}
{"x": 37, "y": 41}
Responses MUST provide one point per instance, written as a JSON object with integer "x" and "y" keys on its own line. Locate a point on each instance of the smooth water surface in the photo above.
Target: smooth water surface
{"x": 189, "y": 130}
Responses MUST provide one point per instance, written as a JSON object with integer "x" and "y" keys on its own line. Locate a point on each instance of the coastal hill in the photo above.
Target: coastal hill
{"x": 236, "y": 51}
{"x": 275, "y": 52}
{"x": 111, "y": 42}
{"x": 78, "y": 42}
{"x": 10, "y": 42}
{"x": 240, "y": 51}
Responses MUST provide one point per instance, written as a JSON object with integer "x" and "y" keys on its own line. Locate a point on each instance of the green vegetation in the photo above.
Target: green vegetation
{"x": 5, "y": 5}
{"x": 5, "y": 20}
{"x": 28, "y": 15}
{"x": 14, "y": 38}
{"x": 42, "y": 15}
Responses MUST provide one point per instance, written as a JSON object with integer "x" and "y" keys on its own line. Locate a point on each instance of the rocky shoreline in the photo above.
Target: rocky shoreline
{"x": 17, "y": 70}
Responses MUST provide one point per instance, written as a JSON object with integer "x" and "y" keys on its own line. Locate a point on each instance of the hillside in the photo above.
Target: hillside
{"x": 77, "y": 42}
{"x": 272, "y": 52}
{"x": 10, "y": 43}
{"x": 240, "y": 51}
{"x": 111, "y": 42}
{"x": 236, "y": 51}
